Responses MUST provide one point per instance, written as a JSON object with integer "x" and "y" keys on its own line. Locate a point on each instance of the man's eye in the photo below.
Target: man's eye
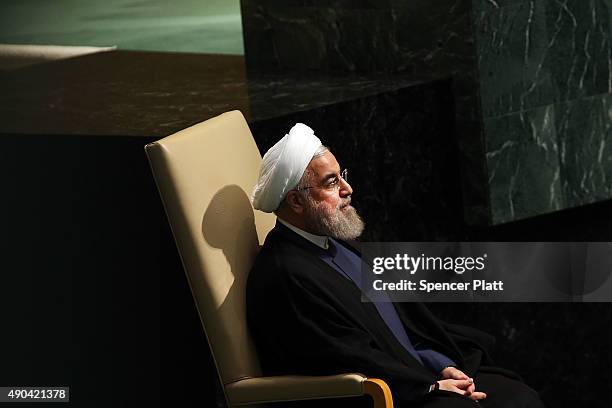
{"x": 332, "y": 182}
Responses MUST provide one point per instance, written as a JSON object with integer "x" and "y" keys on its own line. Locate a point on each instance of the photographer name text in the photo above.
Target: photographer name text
{"x": 424, "y": 285}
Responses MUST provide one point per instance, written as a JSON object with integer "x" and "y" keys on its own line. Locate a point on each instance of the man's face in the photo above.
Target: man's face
{"x": 328, "y": 210}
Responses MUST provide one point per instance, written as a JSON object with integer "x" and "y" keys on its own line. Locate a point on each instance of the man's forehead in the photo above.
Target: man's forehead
{"x": 324, "y": 164}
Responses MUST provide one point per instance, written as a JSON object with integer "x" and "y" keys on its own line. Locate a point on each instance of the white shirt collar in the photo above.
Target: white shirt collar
{"x": 319, "y": 240}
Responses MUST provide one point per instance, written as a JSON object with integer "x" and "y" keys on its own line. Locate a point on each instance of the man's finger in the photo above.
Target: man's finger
{"x": 459, "y": 375}
{"x": 459, "y": 391}
{"x": 471, "y": 389}
{"x": 477, "y": 395}
{"x": 463, "y": 384}
{"x": 454, "y": 373}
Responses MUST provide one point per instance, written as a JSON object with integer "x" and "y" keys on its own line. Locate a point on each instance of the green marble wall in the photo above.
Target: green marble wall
{"x": 532, "y": 82}
{"x": 545, "y": 87}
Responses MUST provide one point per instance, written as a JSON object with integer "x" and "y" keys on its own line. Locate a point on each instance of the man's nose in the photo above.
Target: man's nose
{"x": 345, "y": 188}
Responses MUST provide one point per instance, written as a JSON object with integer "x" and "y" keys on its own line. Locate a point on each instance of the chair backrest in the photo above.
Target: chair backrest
{"x": 205, "y": 175}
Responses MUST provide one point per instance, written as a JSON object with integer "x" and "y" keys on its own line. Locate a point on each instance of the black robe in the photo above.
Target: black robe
{"x": 307, "y": 319}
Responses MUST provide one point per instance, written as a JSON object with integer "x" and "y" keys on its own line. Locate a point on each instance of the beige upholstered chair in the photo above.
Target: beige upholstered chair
{"x": 205, "y": 174}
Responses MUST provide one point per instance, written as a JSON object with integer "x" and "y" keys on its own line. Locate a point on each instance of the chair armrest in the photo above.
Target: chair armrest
{"x": 293, "y": 388}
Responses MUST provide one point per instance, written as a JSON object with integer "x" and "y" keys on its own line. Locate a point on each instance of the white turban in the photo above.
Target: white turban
{"x": 283, "y": 166}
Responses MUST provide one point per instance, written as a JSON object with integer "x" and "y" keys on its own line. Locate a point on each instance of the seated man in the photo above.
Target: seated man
{"x": 304, "y": 305}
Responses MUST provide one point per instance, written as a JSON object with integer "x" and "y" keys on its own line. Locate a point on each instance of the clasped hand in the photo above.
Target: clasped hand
{"x": 455, "y": 380}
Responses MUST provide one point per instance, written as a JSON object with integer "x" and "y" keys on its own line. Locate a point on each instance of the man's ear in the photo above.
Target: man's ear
{"x": 295, "y": 201}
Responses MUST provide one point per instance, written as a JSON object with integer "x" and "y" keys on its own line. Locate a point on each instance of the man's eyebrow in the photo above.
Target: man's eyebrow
{"x": 329, "y": 176}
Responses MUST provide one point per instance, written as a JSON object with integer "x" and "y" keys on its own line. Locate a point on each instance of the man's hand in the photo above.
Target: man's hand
{"x": 463, "y": 387}
{"x": 453, "y": 373}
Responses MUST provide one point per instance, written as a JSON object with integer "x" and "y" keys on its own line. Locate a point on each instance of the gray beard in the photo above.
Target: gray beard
{"x": 344, "y": 225}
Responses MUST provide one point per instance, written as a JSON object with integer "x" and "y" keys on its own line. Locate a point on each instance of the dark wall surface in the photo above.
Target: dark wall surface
{"x": 91, "y": 282}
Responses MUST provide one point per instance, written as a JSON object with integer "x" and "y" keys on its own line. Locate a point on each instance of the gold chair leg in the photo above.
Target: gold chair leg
{"x": 379, "y": 391}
